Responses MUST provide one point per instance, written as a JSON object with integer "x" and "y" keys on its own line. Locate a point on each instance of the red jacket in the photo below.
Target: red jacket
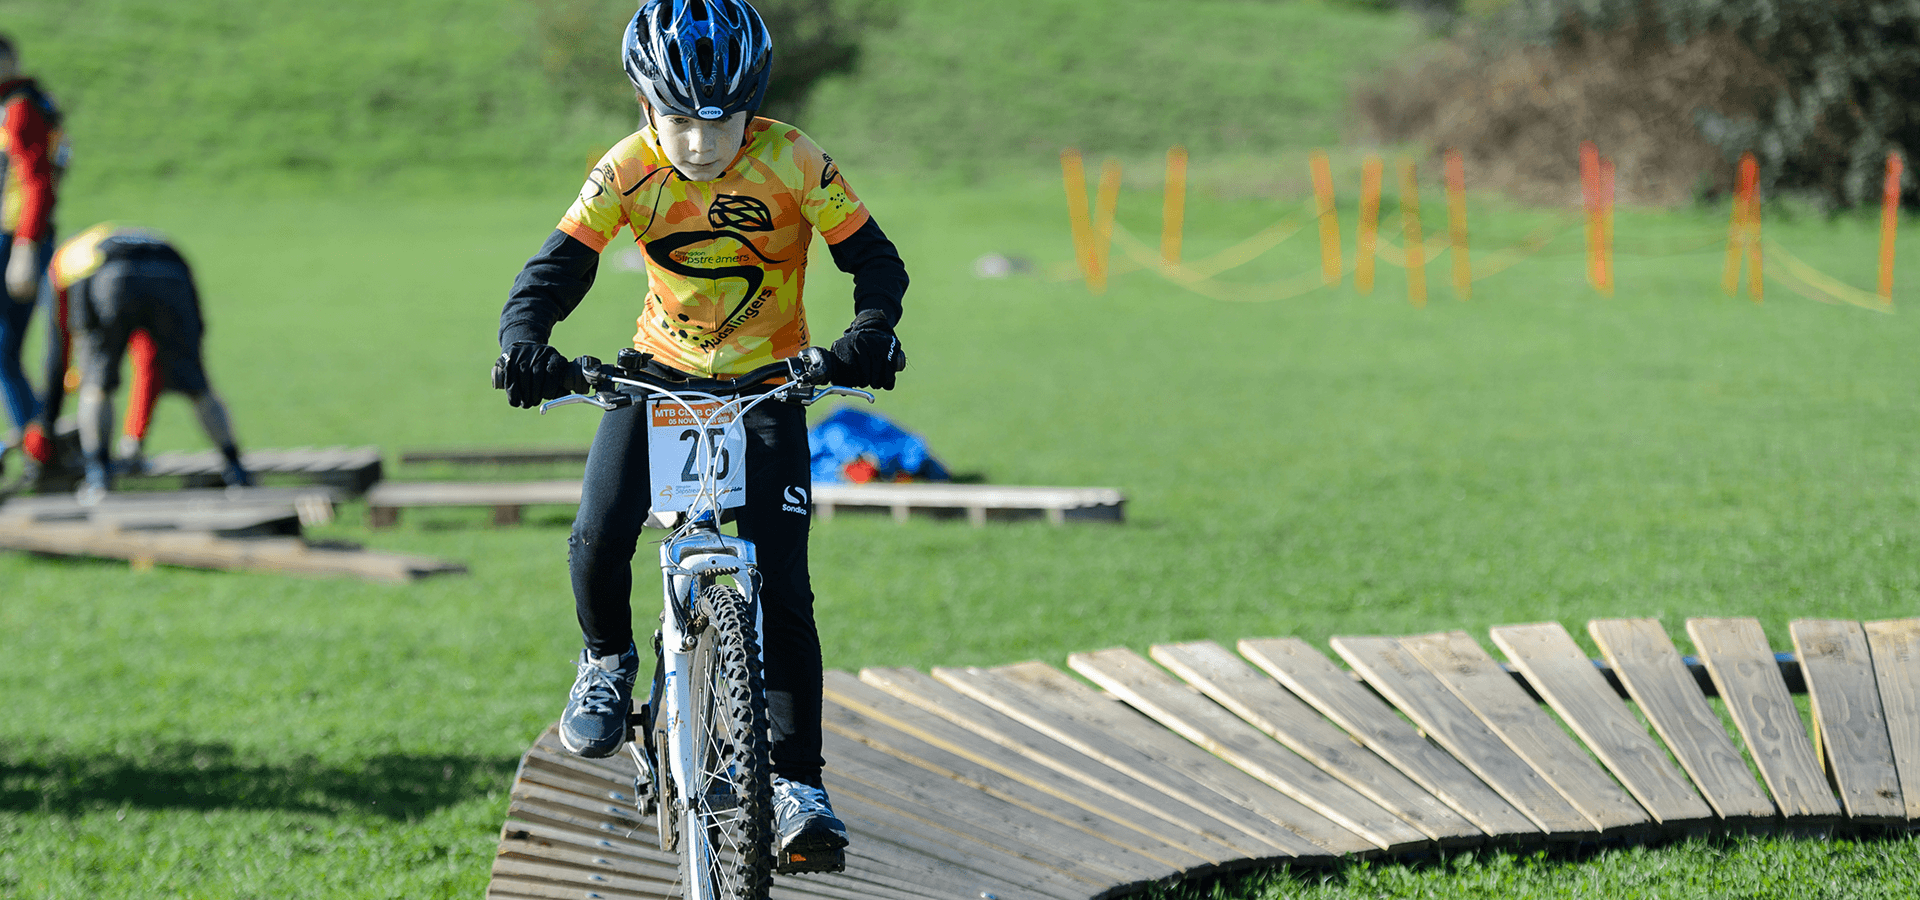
{"x": 26, "y": 174}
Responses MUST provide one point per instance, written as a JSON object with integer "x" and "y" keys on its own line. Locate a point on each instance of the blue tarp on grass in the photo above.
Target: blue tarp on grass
{"x": 849, "y": 435}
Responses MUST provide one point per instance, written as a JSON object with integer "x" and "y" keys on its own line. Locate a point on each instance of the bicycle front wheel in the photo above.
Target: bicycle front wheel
{"x": 727, "y": 830}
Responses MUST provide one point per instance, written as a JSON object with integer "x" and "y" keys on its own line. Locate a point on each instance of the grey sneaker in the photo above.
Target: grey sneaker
{"x": 806, "y": 833}
{"x": 595, "y": 723}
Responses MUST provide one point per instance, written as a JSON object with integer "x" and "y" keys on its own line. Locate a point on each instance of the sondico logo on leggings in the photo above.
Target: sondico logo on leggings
{"x": 796, "y": 498}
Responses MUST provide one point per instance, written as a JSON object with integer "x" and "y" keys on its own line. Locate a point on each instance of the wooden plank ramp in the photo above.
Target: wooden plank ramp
{"x": 1895, "y": 645}
{"x": 1023, "y": 781}
{"x": 1405, "y": 682}
{"x": 1747, "y": 675}
{"x": 1373, "y": 724}
{"x": 1265, "y": 705}
{"x": 1666, "y": 692}
{"x": 1850, "y": 727}
{"x": 1563, "y": 675}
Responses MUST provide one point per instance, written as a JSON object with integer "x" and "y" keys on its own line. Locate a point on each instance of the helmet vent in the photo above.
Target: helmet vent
{"x": 698, "y": 9}
{"x": 703, "y": 57}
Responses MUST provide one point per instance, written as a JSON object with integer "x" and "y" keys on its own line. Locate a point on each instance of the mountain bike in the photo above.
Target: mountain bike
{"x": 702, "y": 747}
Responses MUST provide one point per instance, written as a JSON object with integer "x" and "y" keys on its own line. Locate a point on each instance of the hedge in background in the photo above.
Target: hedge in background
{"x": 1841, "y": 78}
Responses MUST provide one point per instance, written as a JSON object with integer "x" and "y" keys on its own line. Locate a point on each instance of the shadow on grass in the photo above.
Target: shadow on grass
{"x": 1537, "y": 871}
{"x": 55, "y": 778}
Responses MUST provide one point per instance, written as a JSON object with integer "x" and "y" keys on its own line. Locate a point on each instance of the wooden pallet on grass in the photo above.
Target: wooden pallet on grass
{"x": 351, "y": 469}
{"x": 1021, "y": 781}
{"x": 204, "y": 550}
{"x": 230, "y": 512}
{"x": 978, "y": 503}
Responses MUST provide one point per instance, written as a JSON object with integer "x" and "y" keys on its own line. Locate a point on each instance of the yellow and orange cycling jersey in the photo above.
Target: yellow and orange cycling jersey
{"x": 82, "y": 255}
{"x": 726, "y": 259}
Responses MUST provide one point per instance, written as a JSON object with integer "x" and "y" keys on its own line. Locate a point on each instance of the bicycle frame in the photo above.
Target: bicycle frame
{"x": 692, "y": 557}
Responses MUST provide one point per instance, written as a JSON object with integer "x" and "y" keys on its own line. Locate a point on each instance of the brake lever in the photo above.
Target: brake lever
{"x": 600, "y": 400}
{"x": 835, "y": 391}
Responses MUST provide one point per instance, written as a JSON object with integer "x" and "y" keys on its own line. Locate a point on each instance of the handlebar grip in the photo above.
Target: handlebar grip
{"x": 577, "y": 380}
{"x": 499, "y": 377}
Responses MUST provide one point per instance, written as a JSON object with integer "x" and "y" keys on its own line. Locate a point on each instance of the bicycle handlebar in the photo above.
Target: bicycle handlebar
{"x": 586, "y": 375}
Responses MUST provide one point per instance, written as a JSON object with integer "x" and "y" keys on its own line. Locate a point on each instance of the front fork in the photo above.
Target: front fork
{"x": 669, "y": 721}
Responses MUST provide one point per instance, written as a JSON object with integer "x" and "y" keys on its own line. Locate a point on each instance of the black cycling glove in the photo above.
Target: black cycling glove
{"x": 868, "y": 353}
{"x": 532, "y": 373}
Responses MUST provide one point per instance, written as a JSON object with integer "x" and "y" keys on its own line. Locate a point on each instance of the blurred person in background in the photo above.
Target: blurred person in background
{"x": 35, "y": 153}
{"x": 724, "y": 204}
{"x": 104, "y": 285}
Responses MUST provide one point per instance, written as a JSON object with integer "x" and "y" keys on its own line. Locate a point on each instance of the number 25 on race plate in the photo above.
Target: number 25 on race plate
{"x": 680, "y": 448}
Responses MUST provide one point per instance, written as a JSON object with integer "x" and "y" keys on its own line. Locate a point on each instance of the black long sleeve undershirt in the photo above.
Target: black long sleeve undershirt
{"x": 555, "y": 280}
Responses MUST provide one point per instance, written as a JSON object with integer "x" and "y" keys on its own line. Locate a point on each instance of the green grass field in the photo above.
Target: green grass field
{"x": 1328, "y": 464}
{"x": 356, "y": 196}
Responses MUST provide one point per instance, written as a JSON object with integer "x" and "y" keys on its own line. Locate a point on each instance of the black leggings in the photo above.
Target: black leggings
{"x": 613, "y": 506}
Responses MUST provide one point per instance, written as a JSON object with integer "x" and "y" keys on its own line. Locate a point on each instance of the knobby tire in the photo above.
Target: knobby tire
{"x": 730, "y": 829}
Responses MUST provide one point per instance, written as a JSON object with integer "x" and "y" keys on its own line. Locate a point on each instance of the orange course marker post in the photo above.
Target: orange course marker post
{"x": 1074, "y": 175}
{"x": 1104, "y": 203}
{"x": 1750, "y": 173}
{"x": 1328, "y": 215}
{"x": 1457, "y": 225}
{"x": 1173, "y": 209}
{"x": 1737, "y": 228}
{"x": 1368, "y": 234}
{"x": 1410, "y": 225}
{"x": 1889, "y": 222}
{"x": 1606, "y": 227}
{"x": 1590, "y": 201}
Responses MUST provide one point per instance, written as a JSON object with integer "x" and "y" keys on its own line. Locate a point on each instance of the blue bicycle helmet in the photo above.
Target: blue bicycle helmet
{"x": 707, "y": 59}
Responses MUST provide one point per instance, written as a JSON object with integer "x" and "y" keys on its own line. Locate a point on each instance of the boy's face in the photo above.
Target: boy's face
{"x": 699, "y": 148}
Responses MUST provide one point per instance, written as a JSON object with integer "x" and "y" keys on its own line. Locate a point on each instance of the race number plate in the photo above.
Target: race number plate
{"x": 679, "y": 447}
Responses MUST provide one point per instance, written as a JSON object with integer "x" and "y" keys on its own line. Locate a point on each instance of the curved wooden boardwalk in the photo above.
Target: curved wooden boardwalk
{"x": 1024, "y": 782}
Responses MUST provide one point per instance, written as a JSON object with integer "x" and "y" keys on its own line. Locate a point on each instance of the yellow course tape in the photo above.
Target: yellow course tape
{"x": 1808, "y": 282}
{"x": 1201, "y": 282}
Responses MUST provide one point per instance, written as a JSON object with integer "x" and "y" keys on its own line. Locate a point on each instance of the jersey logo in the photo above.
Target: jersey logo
{"x": 831, "y": 172}
{"x": 661, "y": 249}
{"x": 597, "y": 181}
{"x": 743, "y": 213}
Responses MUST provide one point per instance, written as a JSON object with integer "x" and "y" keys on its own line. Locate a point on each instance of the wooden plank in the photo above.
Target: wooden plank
{"x": 1099, "y": 821}
{"x": 511, "y": 886}
{"x": 1409, "y": 685}
{"x": 873, "y": 820}
{"x": 409, "y": 494}
{"x": 1658, "y": 680}
{"x": 1190, "y": 714}
{"x": 581, "y": 815}
{"x": 1374, "y": 725}
{"x": 285, "y": 555}
{"x": 1261, "y": 702}
{"x": 608, "y": 883}
{"x": 1460, "y": 663}
{"x": 1567, "y": 679}
{"x": 1895, "y": 644}
{"x": 1058, "y": 769}
{"x": 1850, "y": 728}
{"x": 1052, "y": 703}
{"x": 942, "y": 495}
{"x": 496, "y": 457}
{"x": 1748, "y": 678}
{"x": 986, "y": 819}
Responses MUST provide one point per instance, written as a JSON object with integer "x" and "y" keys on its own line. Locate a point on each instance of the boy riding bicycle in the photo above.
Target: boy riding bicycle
{"x": 724, "y": 205}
